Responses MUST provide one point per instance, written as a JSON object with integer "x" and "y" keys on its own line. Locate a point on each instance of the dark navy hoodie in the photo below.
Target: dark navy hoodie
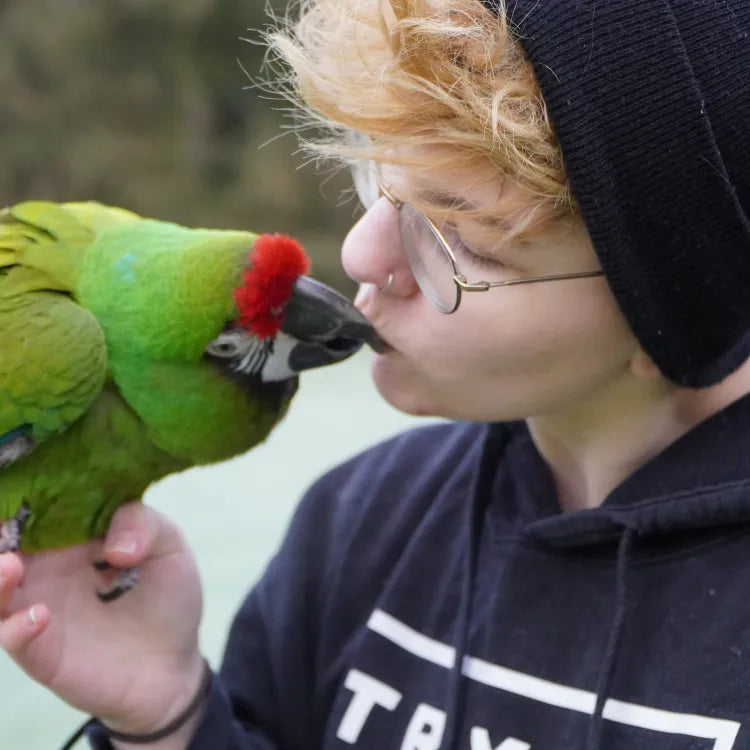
{"x": 430, "y": 594}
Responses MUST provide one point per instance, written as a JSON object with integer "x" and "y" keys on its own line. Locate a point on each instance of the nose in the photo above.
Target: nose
{"x": 372, "y": 250}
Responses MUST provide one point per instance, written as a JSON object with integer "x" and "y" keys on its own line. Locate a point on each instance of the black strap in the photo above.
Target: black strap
{"x": 71, "y": 741}
{"x": 144, "y": 739}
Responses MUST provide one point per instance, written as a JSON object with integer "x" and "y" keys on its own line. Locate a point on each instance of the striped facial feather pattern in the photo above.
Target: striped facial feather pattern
{"x": 244, "y": 354}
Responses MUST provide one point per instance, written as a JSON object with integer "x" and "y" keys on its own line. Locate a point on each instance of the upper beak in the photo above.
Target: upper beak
{"x": 326, "y": 324}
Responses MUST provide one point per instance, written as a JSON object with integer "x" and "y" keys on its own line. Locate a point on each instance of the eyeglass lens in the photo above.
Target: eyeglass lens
{"x": 430, "y": 264}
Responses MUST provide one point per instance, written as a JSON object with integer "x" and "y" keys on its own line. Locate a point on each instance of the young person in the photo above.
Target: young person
{"x": 556, "y": 248}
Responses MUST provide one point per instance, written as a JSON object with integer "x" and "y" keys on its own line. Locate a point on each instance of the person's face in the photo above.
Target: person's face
{"x": 507, "y": 353}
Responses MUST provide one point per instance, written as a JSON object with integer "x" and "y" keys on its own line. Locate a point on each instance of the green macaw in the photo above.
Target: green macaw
{"x": 132, "y": 348}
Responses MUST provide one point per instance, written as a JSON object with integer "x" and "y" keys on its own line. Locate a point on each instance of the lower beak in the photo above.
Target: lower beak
{"x": 326, "y": 325}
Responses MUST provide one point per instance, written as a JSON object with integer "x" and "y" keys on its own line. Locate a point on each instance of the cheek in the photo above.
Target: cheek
{"x": 594, "y": 329}
{"x": 564, "y": 348}
{"x": 511, "y": 359}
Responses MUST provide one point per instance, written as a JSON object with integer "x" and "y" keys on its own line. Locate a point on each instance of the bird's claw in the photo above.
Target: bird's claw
{"x": 12, "y": 530}
{"x": 126, "y": 580}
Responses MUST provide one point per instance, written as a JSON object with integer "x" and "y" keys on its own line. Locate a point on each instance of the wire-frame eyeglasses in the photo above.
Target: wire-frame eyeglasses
{"x": 431, "y": 259}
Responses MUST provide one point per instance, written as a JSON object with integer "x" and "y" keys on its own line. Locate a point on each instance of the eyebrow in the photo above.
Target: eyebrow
{"x": 446, "y": 200}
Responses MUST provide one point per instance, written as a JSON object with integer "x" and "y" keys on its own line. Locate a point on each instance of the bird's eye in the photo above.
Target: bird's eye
{"x": 223, "y": 348}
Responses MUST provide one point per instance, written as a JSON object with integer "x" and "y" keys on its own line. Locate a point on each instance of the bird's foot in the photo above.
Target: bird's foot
{"x": 12, "y": 530}
{"x": 126, "y": 579}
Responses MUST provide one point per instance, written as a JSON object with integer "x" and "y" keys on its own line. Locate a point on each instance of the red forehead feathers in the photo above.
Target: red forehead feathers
{"x": 276, "y": 263}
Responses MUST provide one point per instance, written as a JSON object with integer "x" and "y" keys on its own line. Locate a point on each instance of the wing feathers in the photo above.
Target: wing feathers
{"x": 53, "y": 358}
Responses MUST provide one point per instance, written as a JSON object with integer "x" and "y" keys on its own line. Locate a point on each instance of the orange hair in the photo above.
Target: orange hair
{"x": 439, "y": 73}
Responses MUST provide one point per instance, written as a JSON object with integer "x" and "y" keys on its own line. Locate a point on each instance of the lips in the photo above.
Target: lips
{"x": 385, "y": 345}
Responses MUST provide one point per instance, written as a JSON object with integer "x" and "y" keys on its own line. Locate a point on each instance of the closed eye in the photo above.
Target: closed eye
{"x": 465, "y": 254}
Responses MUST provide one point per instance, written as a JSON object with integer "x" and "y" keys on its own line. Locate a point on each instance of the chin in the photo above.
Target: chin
{"x": 403, "y": 392}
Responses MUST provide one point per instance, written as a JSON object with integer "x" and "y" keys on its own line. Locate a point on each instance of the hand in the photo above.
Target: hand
{"x": 133, "y": 662}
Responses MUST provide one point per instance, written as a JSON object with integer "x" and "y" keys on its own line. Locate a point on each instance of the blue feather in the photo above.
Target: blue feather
{"x": 19, "y": 432}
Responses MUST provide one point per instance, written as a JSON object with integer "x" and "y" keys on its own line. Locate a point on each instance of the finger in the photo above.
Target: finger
{"x": 138, "y": 532}
{"x": 20, "y": 629}
{"x": 11, "y": 572}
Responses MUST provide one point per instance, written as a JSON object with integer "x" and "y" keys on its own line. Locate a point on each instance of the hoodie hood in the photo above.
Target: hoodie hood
{"x": 699, "y": 481}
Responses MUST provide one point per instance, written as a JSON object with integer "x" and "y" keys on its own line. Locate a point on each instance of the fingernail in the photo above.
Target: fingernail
{"x": 33, "y": 617}
{"x": 125, "y": 544}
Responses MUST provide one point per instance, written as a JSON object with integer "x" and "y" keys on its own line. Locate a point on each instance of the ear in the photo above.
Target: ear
{"x": 642, "y": 366}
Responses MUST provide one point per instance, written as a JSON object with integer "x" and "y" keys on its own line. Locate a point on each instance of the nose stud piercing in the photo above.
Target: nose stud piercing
{"x": 386, "y": 287}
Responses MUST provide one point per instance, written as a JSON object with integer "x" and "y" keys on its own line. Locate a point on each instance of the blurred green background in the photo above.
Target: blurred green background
{"x": 144, "y": 104}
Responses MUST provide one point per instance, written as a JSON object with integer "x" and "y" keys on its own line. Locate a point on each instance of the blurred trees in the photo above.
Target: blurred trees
{"x": 143, "y": 104}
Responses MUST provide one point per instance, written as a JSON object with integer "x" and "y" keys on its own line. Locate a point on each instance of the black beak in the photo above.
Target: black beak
{"x": 326, "y": 324}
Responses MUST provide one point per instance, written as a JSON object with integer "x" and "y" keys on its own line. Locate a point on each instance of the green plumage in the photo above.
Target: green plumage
{"x": 104, "y": 318}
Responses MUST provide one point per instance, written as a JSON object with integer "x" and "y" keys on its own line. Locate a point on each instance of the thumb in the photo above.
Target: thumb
{"x": 138, "y": 532}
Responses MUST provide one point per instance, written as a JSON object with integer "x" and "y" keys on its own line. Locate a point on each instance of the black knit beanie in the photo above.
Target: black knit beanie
{"x": 650, "y": 100}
